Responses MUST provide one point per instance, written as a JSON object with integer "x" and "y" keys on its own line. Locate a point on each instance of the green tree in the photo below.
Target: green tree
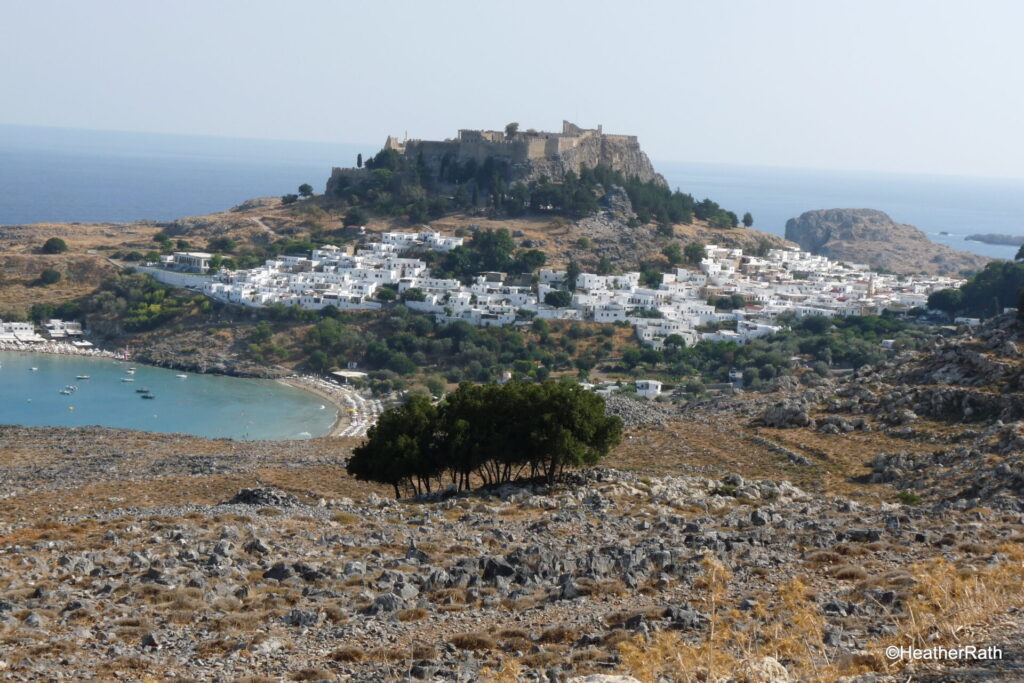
{"x": 355, "y": 217}
{"x": 400, "y": 448}
{"x": 306, "y": 190}
{"x": 651, "y": 278}
{"x": 493, "y": 249}
{"x": 572, "y": 272}
{"x": 674, "y": 253}
{"x": 946, "y": 300}
{"x": 748, "y": 220}
{"x": 511, "y": 129}
{"x": 559, "y": 298}
{"x": 49, "y": 277}
{"x": 359, "y": 160}
{"x": 695, "y": 252}
{"x": 54, "y": 245}
{"x": 225, "y": 244}
{"x": 289, "y": 198}
{"x": 529, "y": 260}
{"x": 414, "y": 294}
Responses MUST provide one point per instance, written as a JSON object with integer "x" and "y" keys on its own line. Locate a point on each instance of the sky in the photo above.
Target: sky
{"x": 925, "y": 86}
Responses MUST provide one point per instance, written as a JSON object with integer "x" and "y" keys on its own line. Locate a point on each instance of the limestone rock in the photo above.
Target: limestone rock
{"x": 872, "y": 237}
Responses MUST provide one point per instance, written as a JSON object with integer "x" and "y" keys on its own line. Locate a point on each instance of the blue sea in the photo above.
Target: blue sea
{"x": 64, "y": 175}
{"x": 55, "y": 174}
{"x": 206, "y": 405}
{"x": 959, "y": 206}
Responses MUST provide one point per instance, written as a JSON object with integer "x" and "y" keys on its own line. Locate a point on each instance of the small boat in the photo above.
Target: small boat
{"x": 65, "y": 392}
{"x": 181, "y": 376}
{"x": 127, "y": 379}
{"x": 148, "y": 396}
{"x": 71, "y": 387}
{"x": 142, "y": 391}
{"x": 83, "y": 377}
{"x": 33, "y": 369}
{"x": 131, "y": 370}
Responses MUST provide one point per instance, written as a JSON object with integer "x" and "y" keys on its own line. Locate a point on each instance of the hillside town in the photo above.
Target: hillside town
{"x": 756, "y": 289}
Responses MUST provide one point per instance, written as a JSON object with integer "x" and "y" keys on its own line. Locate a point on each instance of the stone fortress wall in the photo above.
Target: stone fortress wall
{"x": 532, "y": 154}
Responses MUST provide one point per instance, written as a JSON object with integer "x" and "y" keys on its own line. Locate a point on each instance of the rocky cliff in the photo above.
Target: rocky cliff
{"x": 872, "y": 237}
{"x": 621, "y": 153}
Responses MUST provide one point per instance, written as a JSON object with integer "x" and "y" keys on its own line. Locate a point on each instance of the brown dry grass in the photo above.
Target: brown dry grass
{"x": 947, "y": 601}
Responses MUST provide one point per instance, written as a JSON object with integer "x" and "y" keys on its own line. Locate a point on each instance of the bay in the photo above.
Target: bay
{"x": 211, "y": 406}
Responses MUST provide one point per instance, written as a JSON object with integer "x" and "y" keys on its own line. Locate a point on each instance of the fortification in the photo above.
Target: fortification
{"x": 529, "y": 155}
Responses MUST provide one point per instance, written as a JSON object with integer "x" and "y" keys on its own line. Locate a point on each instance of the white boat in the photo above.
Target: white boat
{"x": 127, "y": 379}
{"x": 33, "y": 369}
{"x": 181, "y": 376}
{"x": 66, "y": 392}
{"x": 83, "y": 377}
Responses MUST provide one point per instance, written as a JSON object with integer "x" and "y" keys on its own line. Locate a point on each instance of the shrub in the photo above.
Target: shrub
{"x": 54, "y": 245}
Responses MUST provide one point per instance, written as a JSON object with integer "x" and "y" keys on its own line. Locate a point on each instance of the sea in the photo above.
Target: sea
{"x": 212, "y": 406}
{"x": 56, "y": 174}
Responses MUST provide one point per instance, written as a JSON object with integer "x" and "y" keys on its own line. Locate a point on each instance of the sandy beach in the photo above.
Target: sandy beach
{"x": 304, "y": 384}
{"x": 355, "y": 413}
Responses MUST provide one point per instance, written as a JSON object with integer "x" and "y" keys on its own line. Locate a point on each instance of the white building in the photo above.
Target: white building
{"x": 648, "y": 388}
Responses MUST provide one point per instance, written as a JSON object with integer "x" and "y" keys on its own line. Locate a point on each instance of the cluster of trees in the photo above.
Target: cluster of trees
{"x": 999, "y": 285}
{"x": 305, "y": 191}
{"x": 489, "y": 250}
{"x": 399, "y": 185}
{"x": 136, "y": 301}
{"x": 489, "y": 433}
{"x": 850, "y": 341}
{"x": 395, "y": 344}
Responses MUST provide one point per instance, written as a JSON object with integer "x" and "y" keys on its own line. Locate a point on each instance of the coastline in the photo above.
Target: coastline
{"x": 313, "y": 386}
{"x": 59, "y": 349}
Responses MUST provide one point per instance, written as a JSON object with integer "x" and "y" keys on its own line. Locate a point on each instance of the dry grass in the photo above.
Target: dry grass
{"x": 947, "y": 600}
{"x": 849, "y": 572}
{"x": 311, "y": 674}
{"x": 475, "y": 641}
{"x": 413, "y": 614}
{"x": 348, "y": 654}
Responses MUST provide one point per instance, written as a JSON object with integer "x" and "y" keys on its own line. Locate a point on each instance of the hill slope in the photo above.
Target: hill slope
{"x": 872, "y": 237}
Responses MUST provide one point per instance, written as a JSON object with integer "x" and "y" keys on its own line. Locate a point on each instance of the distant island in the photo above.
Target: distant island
{"x": 997, "y": 238}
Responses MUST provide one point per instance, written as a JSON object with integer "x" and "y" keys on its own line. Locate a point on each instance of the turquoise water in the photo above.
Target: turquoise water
{"x": 204, "y": 405}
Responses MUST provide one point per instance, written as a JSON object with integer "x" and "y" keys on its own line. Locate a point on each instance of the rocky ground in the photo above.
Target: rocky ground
{"x": 790, "y": 535}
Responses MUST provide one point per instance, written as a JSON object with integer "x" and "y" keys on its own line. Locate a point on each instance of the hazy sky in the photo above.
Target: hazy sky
{"x": 931, "y": 86}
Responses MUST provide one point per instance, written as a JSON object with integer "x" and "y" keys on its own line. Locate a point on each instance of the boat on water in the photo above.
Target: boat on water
{"x": 142, "y": 391}
{"x": 181, "y": 376}
{"x": 148, "y": 396}
{"x": 131, "y": 371}
{"x": 65, "y": 392}
{"x": 83, "y": 377}
{"x": 127, "y": 379}
{"x": 34, "y": 369}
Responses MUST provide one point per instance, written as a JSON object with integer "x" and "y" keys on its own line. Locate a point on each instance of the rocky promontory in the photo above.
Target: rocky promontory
{"x": 872, "y": 237}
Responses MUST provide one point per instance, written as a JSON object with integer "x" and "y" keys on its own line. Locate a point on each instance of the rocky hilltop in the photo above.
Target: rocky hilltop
{"x": 528, "y": 155}
{"x": 872, "y": 237}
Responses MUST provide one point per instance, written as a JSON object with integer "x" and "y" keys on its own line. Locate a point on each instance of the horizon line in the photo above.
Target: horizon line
{"x": 305, "y": 141}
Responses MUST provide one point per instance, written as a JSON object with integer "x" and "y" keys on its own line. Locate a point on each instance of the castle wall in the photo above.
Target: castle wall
{"x": 534, "y": 154}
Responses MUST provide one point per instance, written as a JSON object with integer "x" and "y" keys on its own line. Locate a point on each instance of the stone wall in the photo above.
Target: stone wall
{"x": 530, "y": 154}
